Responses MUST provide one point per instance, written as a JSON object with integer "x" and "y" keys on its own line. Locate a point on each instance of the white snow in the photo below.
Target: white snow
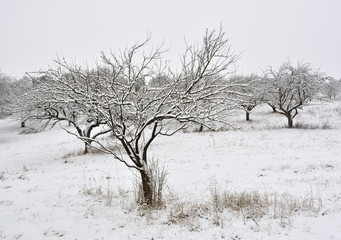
{"x": 50, "y": 190}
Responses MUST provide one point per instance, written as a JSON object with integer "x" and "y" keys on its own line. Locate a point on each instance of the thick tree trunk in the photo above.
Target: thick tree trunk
{"x": 290, "y": 120}
{"x": 247, "y": 116}
{"x": 147, "y": 190}
{"x": 22, "y": 124}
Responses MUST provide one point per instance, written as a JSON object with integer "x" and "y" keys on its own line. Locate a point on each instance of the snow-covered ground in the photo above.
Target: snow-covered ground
{"x": 49, "y": 190}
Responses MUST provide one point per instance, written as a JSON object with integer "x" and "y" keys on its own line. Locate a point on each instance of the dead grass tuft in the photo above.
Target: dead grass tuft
{"x": 253, "y": 206}
{"x": 158, "y": 180}
{"x": 188, "y": 214}
{"x": 74, "y": 153}
{"x": 99, "y": 189}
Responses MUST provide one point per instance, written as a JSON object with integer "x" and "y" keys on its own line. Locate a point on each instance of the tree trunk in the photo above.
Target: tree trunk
{"x": 22, "y": 124}
{"x": 87, "y": 147}
{"x": 146, "y": 188}
{"x": 247, "y": 116}
{"x": 290, "y": 120}
{"x": 88, "y": 141}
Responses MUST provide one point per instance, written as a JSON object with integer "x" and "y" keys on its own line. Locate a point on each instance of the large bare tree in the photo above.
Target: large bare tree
{"x": 136, "y": 112}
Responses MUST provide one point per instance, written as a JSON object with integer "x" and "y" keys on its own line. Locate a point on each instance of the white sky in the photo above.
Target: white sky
{"x": 266, "y": 32}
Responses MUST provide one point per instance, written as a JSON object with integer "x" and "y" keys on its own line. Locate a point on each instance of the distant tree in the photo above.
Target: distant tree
{"x": 48, "y": 101}
{"x": 5, "y": 94}
{"x": 291, "y": 87}
{"x": 138, "y": 113}
{"x": 11, "y": 90}
{"x": 331, "y": 87}
{"x": 267, "y": 94}
{"x": 250, "y": 92}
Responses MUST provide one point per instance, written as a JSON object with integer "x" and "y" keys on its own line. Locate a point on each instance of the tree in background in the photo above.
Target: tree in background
{"x": 48, "y": 101}
{"x": 11, "y": 90}
{"x": 331, "y": 87}
{"x": 5, "y": 94}
{"x": 291, "y": 87}
{"x": 250, "y": 92}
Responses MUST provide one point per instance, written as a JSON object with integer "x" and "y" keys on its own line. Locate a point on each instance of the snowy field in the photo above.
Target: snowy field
{"x": 49, "y": 190}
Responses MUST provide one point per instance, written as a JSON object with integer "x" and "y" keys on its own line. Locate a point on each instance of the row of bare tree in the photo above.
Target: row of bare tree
{"x": 286, "y": 89}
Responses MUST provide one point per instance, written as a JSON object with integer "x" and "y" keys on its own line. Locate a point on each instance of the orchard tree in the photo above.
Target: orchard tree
{"x": 250, "y": 92}
{"x": 5, "y": 94}
{"x": 48, "y": 101}
{"x": 292, "y": 87}
{"x": 331, "y": 87}
{"x": 11, "y": 90}
{"x": 267, "y": 94}
{"x": 137, "y": 112}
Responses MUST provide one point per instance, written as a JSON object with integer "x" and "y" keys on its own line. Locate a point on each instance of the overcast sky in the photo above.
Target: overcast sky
{"x": 265, "y": 32}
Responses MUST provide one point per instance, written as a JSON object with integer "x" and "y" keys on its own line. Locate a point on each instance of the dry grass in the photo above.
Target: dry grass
{"x": 248, "y": 206}
{"x": 158, "y": 179}
{"x": 188, "y": 214}
{"x": 99, "y": 189}
{"x": 323, "y": 125}
{"x": 255, "y": 205}
{"x": 72, "y": 154}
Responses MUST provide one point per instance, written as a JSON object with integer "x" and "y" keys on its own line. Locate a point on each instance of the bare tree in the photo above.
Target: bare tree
{"x": 5, "y": 94}
{"x": 11, "y": 89}
{"x": 48, "y": 101}
{"x": 136, "y": 112}
{"x": 292, "y": 87}
{"x": 331, "y": 87}
{"x": 250, "y": 92}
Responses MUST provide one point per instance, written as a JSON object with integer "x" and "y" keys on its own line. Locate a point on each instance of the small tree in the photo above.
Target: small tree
{"x": 136, "y": 112}
{"x": 331, "y": 87}
{"x": 292, "y": 87}
{"x": 10, "y": 91}
{"x": 48, "y": 101}
{"x": 250, "y": 91}
{"x": 5, "y": 94}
